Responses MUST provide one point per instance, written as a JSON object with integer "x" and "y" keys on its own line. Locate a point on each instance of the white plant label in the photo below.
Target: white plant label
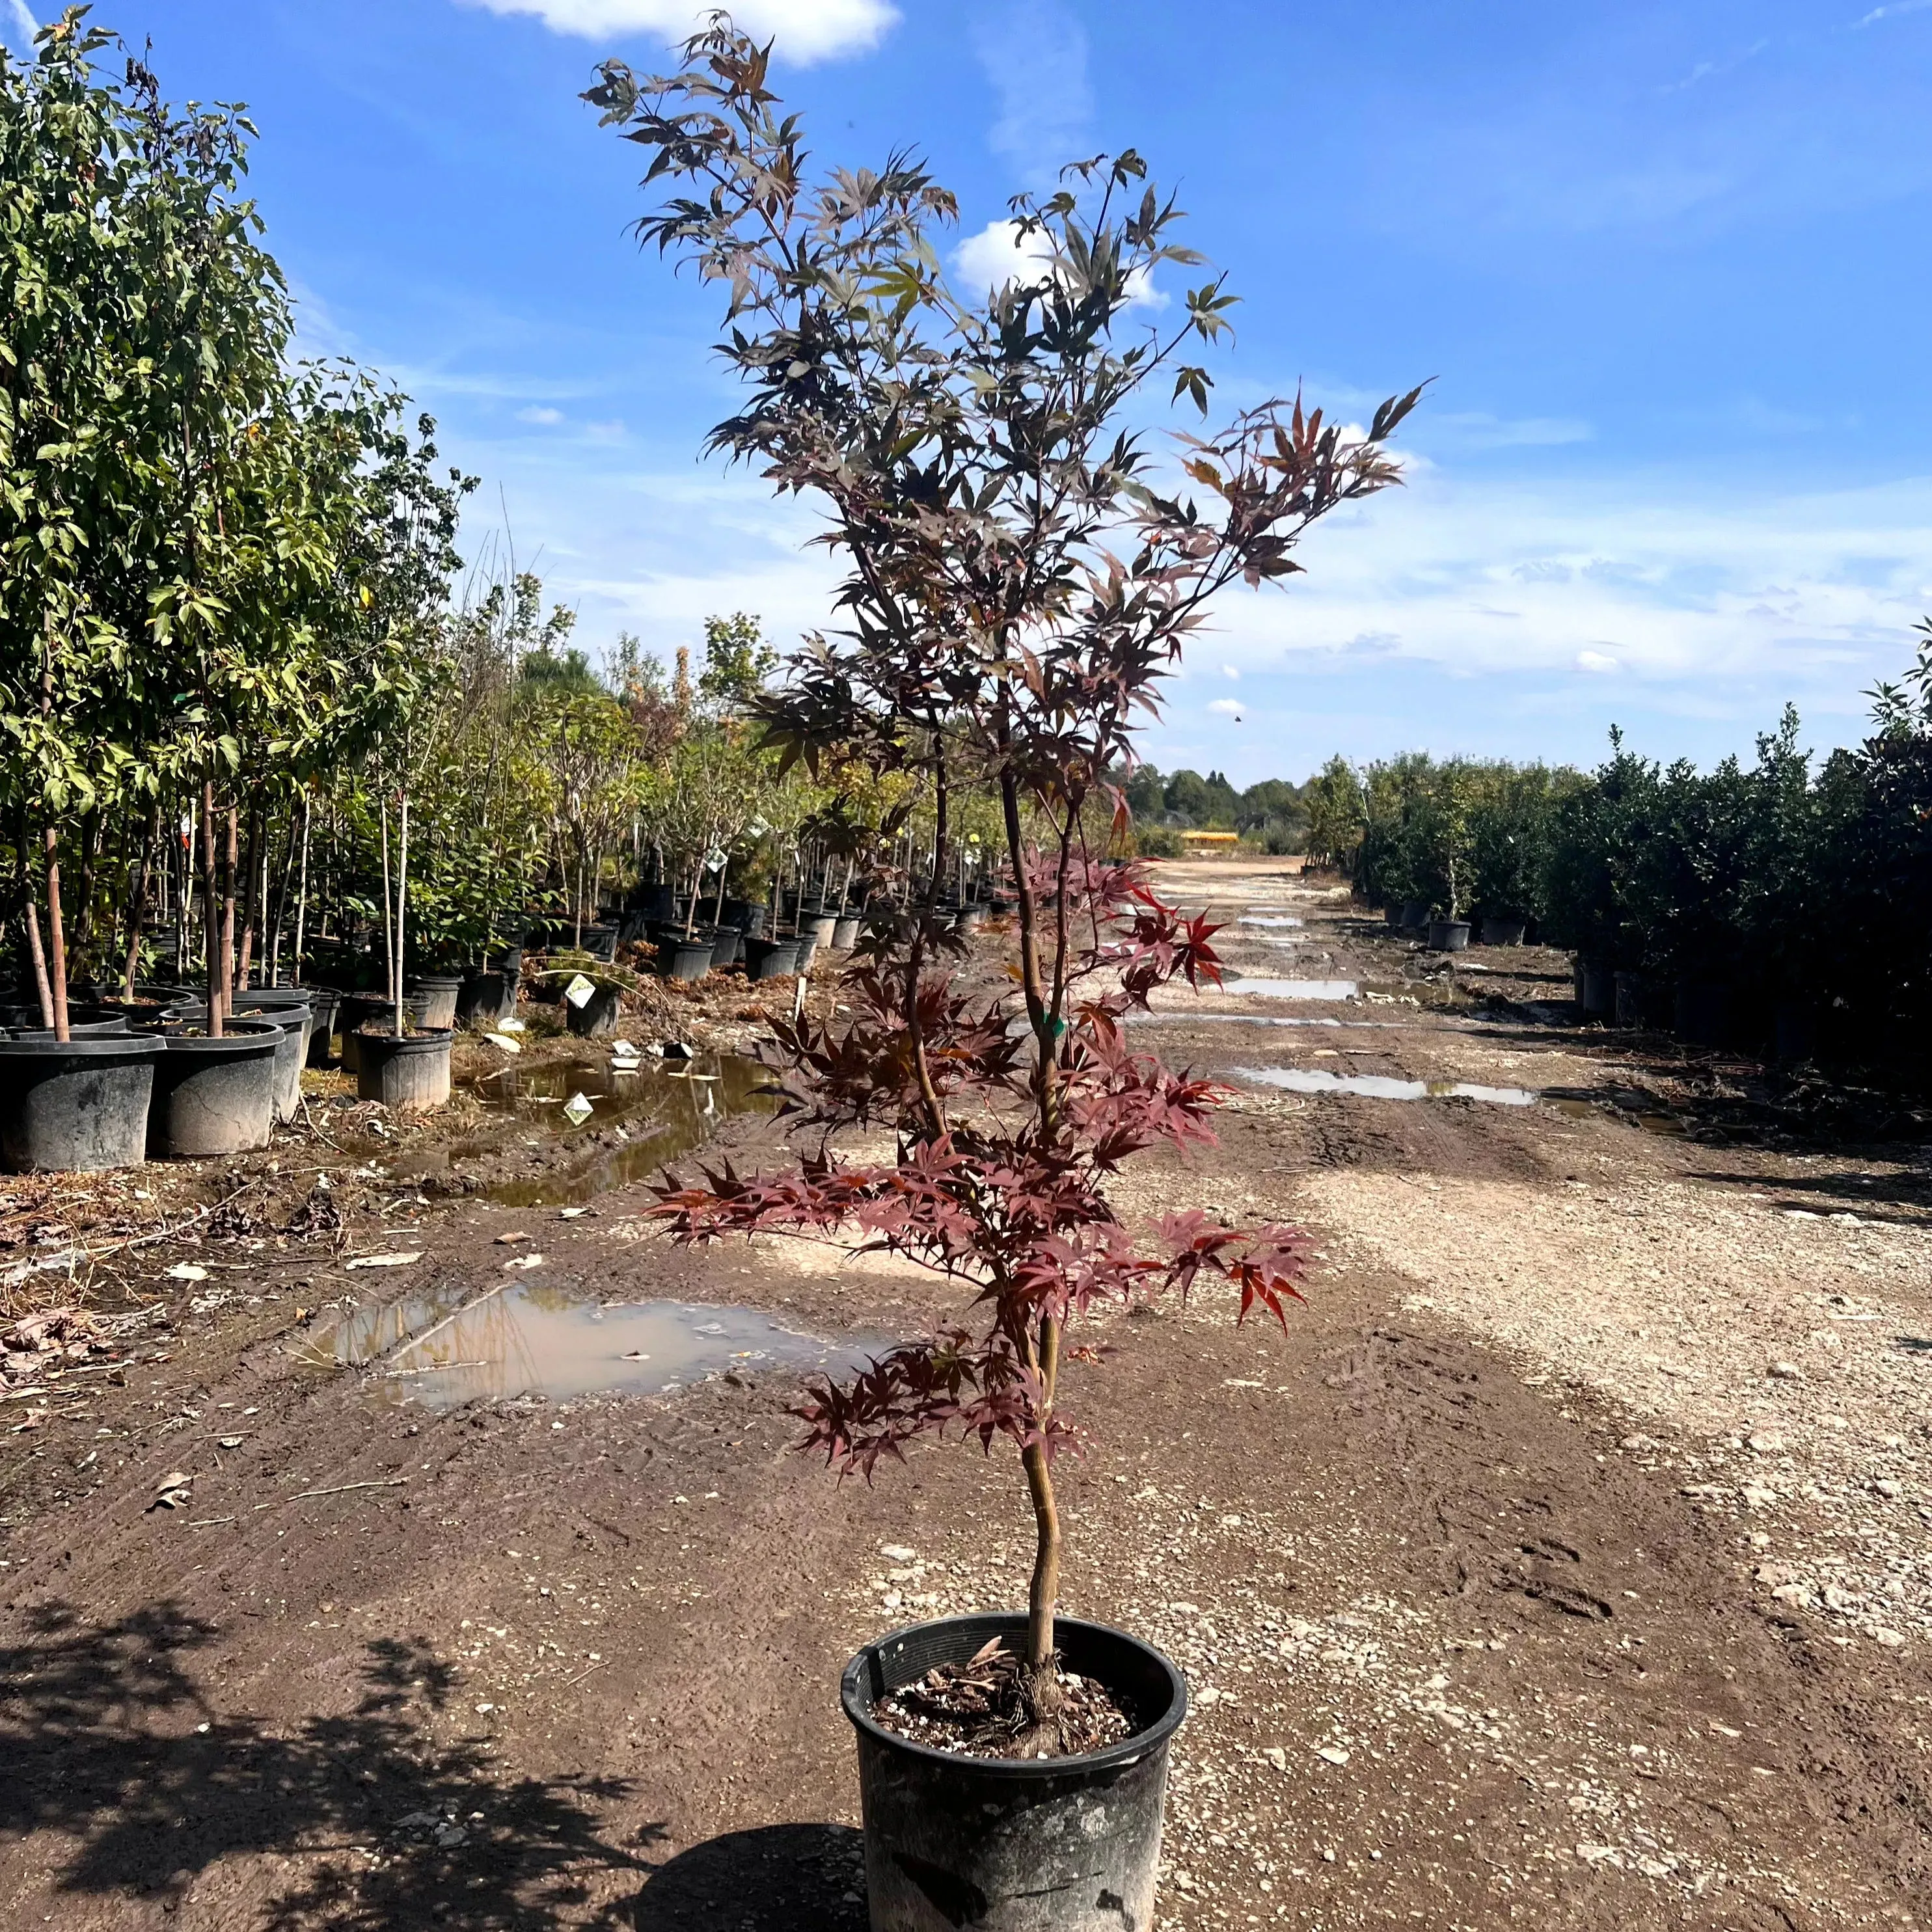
{"x": 579, "y": 990}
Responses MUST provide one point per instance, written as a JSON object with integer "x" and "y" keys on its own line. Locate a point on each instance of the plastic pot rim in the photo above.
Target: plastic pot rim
{"x": 854, "y": 1695}
{"x": 421, "y": 1041}
{"x": 39, "y": 1042}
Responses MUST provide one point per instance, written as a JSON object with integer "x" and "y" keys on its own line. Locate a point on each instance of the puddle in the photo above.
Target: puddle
{"x": 1382, "y": 1086}
{"x": 1267, "y": 919}
{"x": 658, "y": 1112}
{"x": 1291, "y": 989}
{"x": 1666, "y": 1125}
{"x": 1253, "y": 1019}
{"x": 537, "y": 1339}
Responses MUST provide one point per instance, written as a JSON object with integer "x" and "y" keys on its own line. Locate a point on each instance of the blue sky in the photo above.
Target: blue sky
{"x": 1666, "y": 264}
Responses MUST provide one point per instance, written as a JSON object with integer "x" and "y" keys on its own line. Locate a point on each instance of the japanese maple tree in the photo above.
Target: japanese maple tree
{"x": 1020, "y": 574}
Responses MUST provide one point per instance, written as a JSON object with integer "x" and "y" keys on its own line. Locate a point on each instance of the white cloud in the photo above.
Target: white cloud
{"x": 1892, "y": 12}
{"x": 1476, "y": 429}
{"x": 541, "y": 415}
{"x": 1230, "y": 671}
{"x": 1714, "y": 594}
{"x": 804, "y": 30}
{"x": 999, "y": 254}
{"x": 18, "y": 25}
{"x": 1226, "y": 707}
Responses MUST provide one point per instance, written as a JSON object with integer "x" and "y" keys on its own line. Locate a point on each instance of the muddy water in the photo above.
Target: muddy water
{"x": 1292, "y": 989}
{"x": 559, "y": 1340}
{"x": 1381, "y": 1086}
{"x": 641, "y": 1116}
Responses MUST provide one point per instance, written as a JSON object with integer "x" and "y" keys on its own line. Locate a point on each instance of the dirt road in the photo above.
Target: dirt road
{"x": 1567, "y": 1564}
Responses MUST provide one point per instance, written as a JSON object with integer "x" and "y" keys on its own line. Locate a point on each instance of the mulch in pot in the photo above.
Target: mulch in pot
{"x": 980, "y": 1708}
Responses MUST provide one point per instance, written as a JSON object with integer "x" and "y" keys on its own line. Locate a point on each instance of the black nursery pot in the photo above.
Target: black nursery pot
{"x": 215, "y": 1097}
{"x": 597, "y": 1015}
{"x": 322, "y": 1002}
{"x": 76, "y": 1106}
{"x": 1066, "y": 1844}
{"x": 409, "y": 1074}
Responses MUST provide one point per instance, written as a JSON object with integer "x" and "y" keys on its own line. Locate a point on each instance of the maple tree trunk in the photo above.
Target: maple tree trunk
{"x": 1043, "y": 1685}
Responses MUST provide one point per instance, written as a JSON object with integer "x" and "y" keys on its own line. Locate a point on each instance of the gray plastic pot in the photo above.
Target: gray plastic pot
{"x": 598, "y": 1015}
{"x": 1415, "y": 914}
{"x": 214, "y": 1097}
{"x": 771, "y": 958}
{"x": 1503, "y": 931}
{"x": 681, "y": 958}
{"x": 410, "y": 1074}
{"x": 818, "y": 927}
{"x": 291, "y": 1015}
{"x": 323, "y": 1003}
{"x": 1596, "y": 989}
{"x": 1068, "y": 1844}
{"x": 76, "y": 1106}
{"x": 488, "y": 993}
{"x": 355, "y": 1013}
{"x": 845, "y": 934}
{"x": 1448, "y": 935}
{"x": 434, "y": 997}
{"x": 727, "y": 945}
{"x": 966, "y": 921}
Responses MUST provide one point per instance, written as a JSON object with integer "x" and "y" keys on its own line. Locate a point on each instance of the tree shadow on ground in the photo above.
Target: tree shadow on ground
{"x": 782, "y": 1878}
{"x": 111, "y": 1744}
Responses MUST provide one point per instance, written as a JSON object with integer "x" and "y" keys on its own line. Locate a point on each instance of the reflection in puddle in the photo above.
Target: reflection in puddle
{"x": 1267, "y": 919}
{"x": 1291, "y": 989}
{"x": 559, "y": 1342}
{"x": 1576, "y": 1109}
{"x": 1184, "y": 1019}
{"x": 1382, "y": 1086}
{"x": 641, "y": 1117}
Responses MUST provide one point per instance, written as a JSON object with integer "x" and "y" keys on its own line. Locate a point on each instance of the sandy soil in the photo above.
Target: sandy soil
{"x": 1565, "y": 1563}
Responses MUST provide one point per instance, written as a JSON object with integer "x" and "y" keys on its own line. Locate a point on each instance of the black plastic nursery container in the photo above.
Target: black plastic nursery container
{"x": 214, "y": 1097}
{"x": 322, "y": 1003}
{"x": 1067, "y": 1844}
{"x": 771, "y": 958}
{"x": 488, "y": 993}
{"x": 1503, "y": 931}
{"x": 434, "y": 996}
{"x": 78, "y": 1106}
{"x": 597, "y": 1015}
{"x": 411, "y": 1074}
{"x": 1448, "y": 935}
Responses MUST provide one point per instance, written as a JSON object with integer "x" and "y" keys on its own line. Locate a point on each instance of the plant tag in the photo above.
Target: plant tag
{"x": 576, "y": 1110}
{"x": 579, "y": 990}
{"x": 511, "y": 1026}
{"x": 387, "y": 1261}
{"x": 504, "y": 1040}
{"x": 185, "y": 1271}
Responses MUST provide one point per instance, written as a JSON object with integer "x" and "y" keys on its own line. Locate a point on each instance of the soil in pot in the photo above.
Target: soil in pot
{"x": 78, "y": 1106}
{"x": 214, "y": 1097}
{"x": 978, "y": 1708}
{"x": 1056, "y": 1844}
{"x": 410, "y": 1074}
